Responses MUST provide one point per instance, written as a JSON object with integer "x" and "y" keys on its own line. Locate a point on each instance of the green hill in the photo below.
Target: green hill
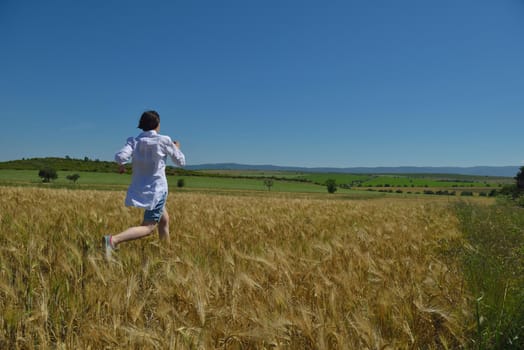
{"x": 71, "y": 164}
{"x": 60, "y": 164}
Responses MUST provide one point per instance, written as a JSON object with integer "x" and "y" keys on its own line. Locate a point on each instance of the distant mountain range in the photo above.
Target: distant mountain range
{"x": 87, "y": 164}
{"x": 505, "y": 171}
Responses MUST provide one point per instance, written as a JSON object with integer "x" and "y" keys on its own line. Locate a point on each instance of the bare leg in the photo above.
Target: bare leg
{"x": 163, "y": 226}
{"x": 133, "y": 233}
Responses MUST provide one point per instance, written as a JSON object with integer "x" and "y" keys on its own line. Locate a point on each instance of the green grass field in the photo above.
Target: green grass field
{"x": 402, "y": 181}
{"x": 374, "y": 180}
{"x": 412, "y": 180}
{"x": 95, "y": 180}
{"x": 89, "y": 179}
{"x": 321, "y": 178}
{"x": 253, "y": 182}
{"x": 245, "y": 184}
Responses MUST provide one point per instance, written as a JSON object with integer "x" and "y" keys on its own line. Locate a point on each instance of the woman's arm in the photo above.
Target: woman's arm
{"x": 124, "y": 155}
{"x": 174, "y": 152}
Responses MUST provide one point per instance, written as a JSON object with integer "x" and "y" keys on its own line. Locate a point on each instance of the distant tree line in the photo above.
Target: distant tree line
{"x": 491, "y": 193}
{"x": 60, "y": 164}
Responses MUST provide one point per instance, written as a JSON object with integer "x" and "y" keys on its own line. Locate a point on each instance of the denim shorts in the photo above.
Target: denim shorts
{"x": 155, "y": 214}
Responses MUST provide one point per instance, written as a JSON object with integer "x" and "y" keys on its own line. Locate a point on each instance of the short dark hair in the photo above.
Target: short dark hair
{"x": 149, "y": 121}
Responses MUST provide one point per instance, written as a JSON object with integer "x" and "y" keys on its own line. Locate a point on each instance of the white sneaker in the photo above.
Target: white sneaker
{"x": 107, "y": 246}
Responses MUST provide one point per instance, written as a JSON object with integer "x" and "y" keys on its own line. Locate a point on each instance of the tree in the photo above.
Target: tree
{"x": 331, "y": 185}
{"x": 520, "y": 178}
{"x": 47, "y": 174}
{"x": 180, "y": 183}
{"x": 73, "y": 177}
{"x": 511, "y": 191}
{"x": 268, "y": 183}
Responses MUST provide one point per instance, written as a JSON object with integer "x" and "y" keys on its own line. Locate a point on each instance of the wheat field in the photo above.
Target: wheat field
{"x": 240, "y": 272}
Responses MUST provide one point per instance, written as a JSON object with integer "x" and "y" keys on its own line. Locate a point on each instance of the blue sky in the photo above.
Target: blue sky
{"x": 298, "y": 83}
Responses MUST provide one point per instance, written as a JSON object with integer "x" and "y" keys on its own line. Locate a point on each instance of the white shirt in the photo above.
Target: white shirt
{"x": 148, "y": 152}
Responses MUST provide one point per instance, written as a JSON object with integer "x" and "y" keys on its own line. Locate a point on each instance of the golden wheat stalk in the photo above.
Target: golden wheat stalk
{"x": 240, "y": 272}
